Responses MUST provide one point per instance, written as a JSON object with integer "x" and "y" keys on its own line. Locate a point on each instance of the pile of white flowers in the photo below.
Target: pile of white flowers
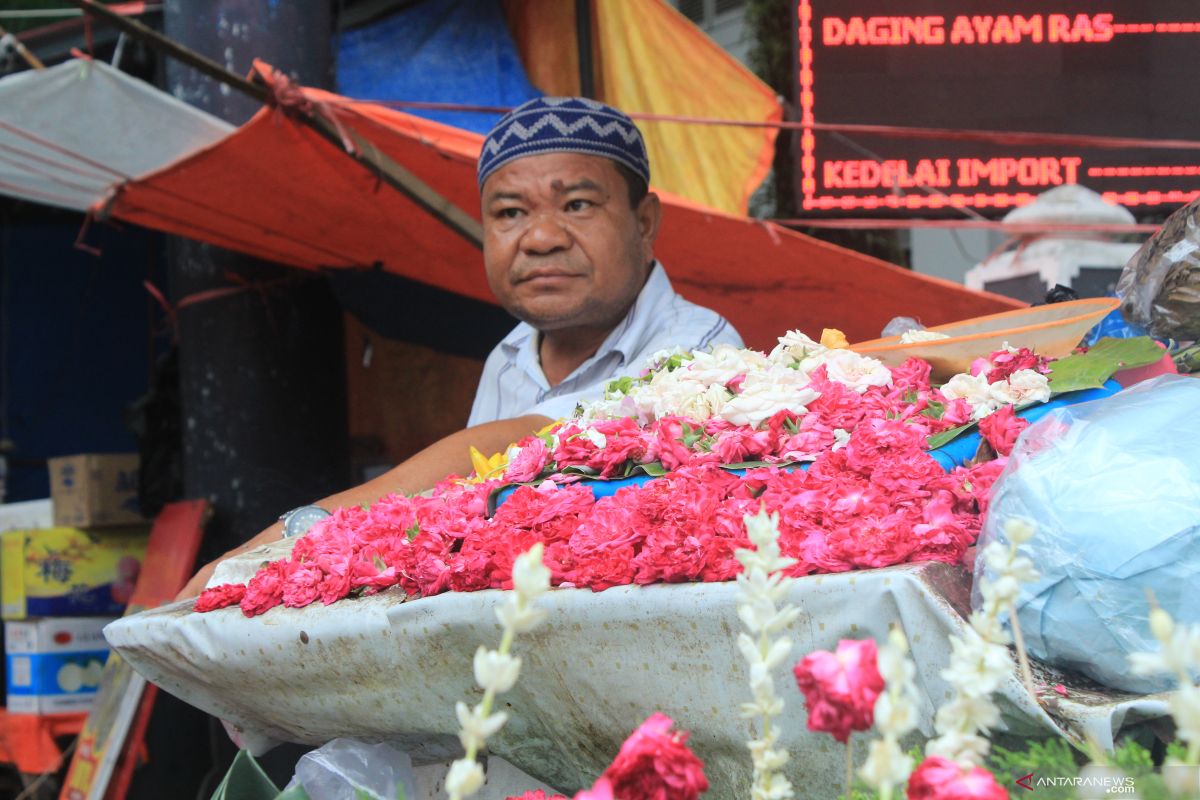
{"x": 1023, "y": 387}
{"x": 700, "y": 386}
{"x": 746, "y": 387}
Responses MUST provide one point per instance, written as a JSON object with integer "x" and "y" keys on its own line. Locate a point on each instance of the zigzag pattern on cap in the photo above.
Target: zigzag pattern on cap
{"x": 567, "y": 129}
{"x": 564, "y": 125}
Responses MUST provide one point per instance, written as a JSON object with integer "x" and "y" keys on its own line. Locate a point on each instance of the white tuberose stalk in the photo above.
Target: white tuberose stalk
{"x": 762, "y": 589}
{"x": 1179, "y": 654}
{"x": 496, "y": 670}
{"x": 980, "y": 660}
{"x": 887, "y": 765}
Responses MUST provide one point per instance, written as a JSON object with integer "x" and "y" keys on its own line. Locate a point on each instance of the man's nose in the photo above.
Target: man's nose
{"x": 545, "y": 234}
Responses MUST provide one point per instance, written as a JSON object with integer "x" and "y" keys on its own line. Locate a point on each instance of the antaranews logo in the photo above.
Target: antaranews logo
{"x": 1101, "y": 782}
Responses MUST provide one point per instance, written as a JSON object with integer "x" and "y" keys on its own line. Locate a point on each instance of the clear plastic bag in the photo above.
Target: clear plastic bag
{"x": 1113, "y": 488}
{"x": 1160, "y": 286}
{"x": 900, "y": 325}
{"x": 346, "y": 769}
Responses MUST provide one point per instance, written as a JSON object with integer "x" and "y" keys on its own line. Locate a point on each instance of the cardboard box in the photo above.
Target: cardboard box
{"x": 54, "y": 665}
{"x": 26, "y": 514}
{"x": 68, "y": 571}
{"x": 93, "y": 490}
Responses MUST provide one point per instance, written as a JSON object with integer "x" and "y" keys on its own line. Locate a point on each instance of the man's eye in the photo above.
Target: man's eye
{"x": 508, "y": 213}
{"x": 579, "y": 205}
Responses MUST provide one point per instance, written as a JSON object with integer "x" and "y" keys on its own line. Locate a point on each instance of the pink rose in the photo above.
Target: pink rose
{"x": 1001, "y": 429}
{"x": 941, "y": 779}
{"x": 265, "y": 589}
{"x": 840, "y": 688}
{"x": 528, "y": 463}
{"x": 1001, "y": 364}
{"x": 913, "y": 374}
{"x": 223, "y": 596}
{"x": 671, "y": 450}
{"x": 303, "y": 585}
{"x": 656, "y": 764}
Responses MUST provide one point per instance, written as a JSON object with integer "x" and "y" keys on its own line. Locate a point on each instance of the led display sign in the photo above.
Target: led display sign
{"x": 1121, "y": 68}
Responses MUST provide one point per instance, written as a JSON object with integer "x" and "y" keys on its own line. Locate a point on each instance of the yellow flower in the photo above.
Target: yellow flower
{"x": 834, "y": 339}
{"x": 488, "y": 467}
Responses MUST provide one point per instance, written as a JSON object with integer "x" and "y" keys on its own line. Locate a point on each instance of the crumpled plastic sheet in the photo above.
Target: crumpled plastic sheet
{"x": 384, "y": 668}
{"x": 354, "y": 770}
{"x": 1113, "y": 488}
{"x": 1160, "y": 286}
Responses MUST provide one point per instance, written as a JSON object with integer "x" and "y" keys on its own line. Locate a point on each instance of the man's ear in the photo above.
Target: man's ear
{"x": 649, "y": 217}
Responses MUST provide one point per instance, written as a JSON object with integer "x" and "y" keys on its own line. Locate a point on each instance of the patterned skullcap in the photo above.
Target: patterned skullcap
{"x": 564, "y": 125}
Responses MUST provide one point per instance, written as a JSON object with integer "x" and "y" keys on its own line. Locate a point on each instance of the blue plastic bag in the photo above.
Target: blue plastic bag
{"x": 1113, "y": 489}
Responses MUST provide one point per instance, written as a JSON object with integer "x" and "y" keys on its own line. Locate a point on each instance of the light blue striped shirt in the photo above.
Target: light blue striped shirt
{"x": 513, "y": 383}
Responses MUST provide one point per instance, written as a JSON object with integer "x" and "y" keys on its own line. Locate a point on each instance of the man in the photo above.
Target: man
{"x": 569, "y": 228}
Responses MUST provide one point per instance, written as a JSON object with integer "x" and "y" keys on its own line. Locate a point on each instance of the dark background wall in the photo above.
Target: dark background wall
{"x": 76, "y": 341}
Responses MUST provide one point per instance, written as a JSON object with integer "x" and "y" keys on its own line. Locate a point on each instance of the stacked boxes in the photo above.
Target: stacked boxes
{"x": 90, "y": 491}
{"x": 69, "y": 571}
{"x": 54, "y": 665}
{"x": 61, "y": 584}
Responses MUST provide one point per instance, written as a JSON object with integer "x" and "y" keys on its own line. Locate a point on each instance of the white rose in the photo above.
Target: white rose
{"x": 704, "y": 405}
{"x": 916, "y": 337}
{"x": 855, "y": 371}
{"x": 795, "y": 346}
{"x": 672, "y": 397}
{"x": 724, "y": 364}
{"x": 1022, "y": 387}
{"x": 975, "y": 390}
{"x": 766, "y": 393}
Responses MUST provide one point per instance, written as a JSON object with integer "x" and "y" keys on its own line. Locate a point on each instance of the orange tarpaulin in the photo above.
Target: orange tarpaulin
{"x": 278, "y": 190}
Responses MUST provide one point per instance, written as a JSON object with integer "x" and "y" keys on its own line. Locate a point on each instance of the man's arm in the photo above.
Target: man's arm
{"x": 421, "y": 472}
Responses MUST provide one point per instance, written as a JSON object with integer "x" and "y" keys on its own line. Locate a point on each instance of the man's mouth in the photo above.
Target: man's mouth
{"x": 547, "y": 276}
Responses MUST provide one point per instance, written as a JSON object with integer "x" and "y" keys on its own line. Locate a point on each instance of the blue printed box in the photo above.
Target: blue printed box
{"x": 53, "y": 666}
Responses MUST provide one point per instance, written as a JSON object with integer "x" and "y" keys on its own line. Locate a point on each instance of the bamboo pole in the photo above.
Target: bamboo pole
{"x": 23, "y": 51}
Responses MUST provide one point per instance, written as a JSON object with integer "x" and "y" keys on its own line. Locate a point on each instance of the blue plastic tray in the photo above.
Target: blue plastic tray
{"x": 954, "y": 454}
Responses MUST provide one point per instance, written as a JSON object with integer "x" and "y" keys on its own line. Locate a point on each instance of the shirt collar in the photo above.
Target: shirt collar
{"x": 520, "y": 345}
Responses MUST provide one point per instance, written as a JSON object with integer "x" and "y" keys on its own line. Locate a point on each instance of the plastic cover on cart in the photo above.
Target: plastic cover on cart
{"x": 1160, "y": 286}
{"x": 1113, "y": 489}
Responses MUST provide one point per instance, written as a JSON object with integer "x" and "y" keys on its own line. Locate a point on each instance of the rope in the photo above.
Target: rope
{"x": 891, "y": 131}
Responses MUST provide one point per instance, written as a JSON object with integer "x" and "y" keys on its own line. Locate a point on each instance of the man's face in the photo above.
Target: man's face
{"x": 562, "y": 246}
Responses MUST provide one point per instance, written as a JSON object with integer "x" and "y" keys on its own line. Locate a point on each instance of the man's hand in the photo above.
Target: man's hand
{"x": 447, "y": 456}
{"x": 196, "y": 585}
{"x": 198, "y": 581}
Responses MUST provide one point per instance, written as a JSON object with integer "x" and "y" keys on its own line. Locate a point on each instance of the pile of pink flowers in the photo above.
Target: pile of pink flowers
{"x": 872, "y": 496}
{"x": 877, "y": 501}
{"x": 610, "y": 448}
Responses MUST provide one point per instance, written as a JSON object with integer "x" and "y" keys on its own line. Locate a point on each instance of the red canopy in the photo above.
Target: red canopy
{"x": 279, "y": 190}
